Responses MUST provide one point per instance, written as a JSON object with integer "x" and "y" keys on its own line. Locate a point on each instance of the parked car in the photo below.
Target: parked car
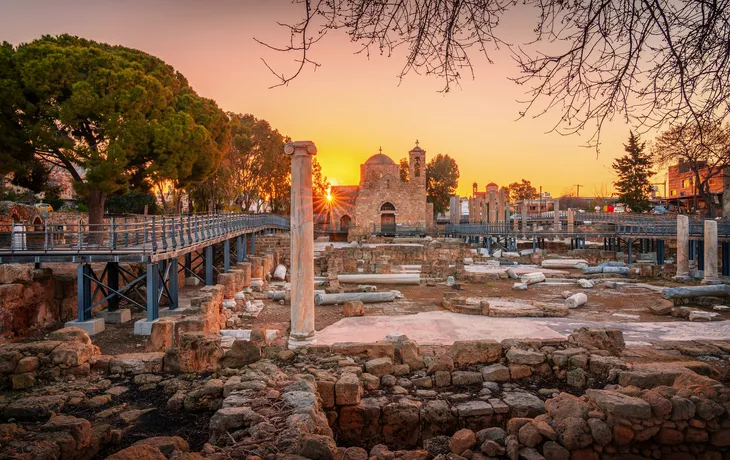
{"x": 659, "y": 210}
{"x": 44, "y": 207}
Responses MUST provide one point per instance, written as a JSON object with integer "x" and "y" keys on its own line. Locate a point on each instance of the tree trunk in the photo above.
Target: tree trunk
{"x": 97, "y": 198}
{"x": 704, "y": 188}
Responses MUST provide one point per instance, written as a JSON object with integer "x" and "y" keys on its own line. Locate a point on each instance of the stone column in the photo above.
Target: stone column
{"x": 710, "y": 269}
{"x": 500, "y": 206}
{"x": 571, "y": 221}
{"x": 556, "y": 217}
{"x": 682, "y": 248}
{"x": 455, "y": 210}
{"x": 524, "y": 216}
{"x": 302, "y": 243}
{"x": 492, "y": 208}
{"x": 471, "y": 211}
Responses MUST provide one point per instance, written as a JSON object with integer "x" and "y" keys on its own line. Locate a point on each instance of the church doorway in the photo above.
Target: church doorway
{"x": 345, "y": 223}
{"x": 387, "y": 223}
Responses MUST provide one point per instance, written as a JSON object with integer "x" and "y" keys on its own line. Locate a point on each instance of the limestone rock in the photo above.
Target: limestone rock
{"x": 553, "y": 451}
{"x": 465, "y": 378}
{"x": 529, "y": 436}
{"x": 379, "y": 366}
{"x": 142, "y": 452}
{"x": 72, "y": 354}
{"x": 347, "y": 390}
{"x": 620, "y": 405}
{"x": 495, "y": 373}
{"x": 462, "y": 440}
{"x": 600, "y": 432}
{"x": 470, "y": 352}
{"x": 523, "y": 404}
{"x": 353, "y": 308}
{"x": 573, "y": 433}
{"x": 166, "y": 444}
{"x": 401, "y": 423}
{"x": 519, "y": 356}
{"x": 443, "y": 363}
{"x": 317, "y": 446}
{"x": 611, "y": 340}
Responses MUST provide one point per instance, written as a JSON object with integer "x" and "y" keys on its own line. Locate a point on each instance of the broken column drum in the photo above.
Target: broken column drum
{"x": 302, "y": 243}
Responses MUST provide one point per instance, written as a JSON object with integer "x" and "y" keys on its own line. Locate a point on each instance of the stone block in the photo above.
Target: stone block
{"x": 353, "y": 308}
{"x": 326, "y": 390}
{"x": 123, "y": 315}
{"x": 466, "y": 378}
{"x": 620, "y": 405}
{"x": 143, "y": 327}
{"x": 495, "y": 373}
{"x": 72, "y": 354}
{"x": 347, "y": 389}
{"x": 468, "y": 352}
{"x": 242, "y": 353}
{"x": 379, "y": 366}
{"x": 92, "y": 327}
{"x": 518, "y": 356}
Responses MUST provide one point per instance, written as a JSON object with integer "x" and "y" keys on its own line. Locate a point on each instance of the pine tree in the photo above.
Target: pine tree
{"x": 634, "y": 171}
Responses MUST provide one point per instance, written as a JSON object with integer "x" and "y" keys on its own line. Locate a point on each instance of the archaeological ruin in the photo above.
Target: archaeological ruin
{"x": 237, "y": 336}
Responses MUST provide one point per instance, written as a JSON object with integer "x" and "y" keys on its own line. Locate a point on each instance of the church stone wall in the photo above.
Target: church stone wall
{"x": 408, "y": 199}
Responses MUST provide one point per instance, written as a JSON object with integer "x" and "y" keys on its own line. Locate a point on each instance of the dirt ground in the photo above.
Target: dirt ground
{"x": 626, "y": 304}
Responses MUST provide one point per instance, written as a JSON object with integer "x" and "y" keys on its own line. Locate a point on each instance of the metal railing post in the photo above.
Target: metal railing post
{"x": 154, "y": 235}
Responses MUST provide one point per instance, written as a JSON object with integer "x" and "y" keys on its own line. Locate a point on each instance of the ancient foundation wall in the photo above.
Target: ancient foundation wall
{"x": 435, "y": 258}
{"x": 33, "y": 299}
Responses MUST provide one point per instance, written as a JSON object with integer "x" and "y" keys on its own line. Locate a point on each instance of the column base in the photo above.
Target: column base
{"x": 711, "y": 281}
{"x": 123, "y": 315}
{"x": 685, "y": 277}
{"x": 301, "y": 342}
{"x": 92, "y": 326}
{"x": 143, "y": 327}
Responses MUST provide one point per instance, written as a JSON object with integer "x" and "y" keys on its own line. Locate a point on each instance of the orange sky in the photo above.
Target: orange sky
{"x": 350, "y": 106}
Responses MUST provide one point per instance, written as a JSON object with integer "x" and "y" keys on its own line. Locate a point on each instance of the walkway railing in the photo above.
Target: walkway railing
{"x": 147, "y": 234}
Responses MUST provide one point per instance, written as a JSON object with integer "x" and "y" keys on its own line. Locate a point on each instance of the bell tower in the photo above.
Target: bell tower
{"x": 417, "y": 166}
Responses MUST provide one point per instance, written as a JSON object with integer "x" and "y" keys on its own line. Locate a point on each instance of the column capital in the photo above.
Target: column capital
{"x": 300, "y": 147}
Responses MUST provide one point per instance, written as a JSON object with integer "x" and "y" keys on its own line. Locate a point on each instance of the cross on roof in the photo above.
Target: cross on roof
{"x": 380, "y": 150}
{"x": 416, "y": 142}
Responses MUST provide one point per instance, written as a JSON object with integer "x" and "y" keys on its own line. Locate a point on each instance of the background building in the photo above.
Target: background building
{"x": 382, "y": 201}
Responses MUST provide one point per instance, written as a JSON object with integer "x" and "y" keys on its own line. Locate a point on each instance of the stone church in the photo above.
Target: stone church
{"x": 382, "y": 201}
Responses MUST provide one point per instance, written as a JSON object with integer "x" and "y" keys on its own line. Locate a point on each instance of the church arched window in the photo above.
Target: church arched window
{"x": 387, "y": 206}
{"x": 417, "y": 167}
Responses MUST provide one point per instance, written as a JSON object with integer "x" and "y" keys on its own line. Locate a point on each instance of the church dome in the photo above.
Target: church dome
{"x": 380, "y": 159}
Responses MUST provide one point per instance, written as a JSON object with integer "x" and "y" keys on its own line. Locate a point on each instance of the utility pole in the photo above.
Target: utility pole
{"x": 577, "y": 190}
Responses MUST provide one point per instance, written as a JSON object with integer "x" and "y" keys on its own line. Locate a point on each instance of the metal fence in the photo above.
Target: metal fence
{"x": 138, "y": 234}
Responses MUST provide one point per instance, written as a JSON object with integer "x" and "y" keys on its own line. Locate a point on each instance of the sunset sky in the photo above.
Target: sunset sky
{"x": 351, "y": 105}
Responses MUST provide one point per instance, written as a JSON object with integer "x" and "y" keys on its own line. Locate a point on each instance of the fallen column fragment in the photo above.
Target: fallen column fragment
{"x": 576, "y": 300}
{"x": 616, "y": 270}
{"x": 532, "y": 278}
{"x": 392, "y": 278}
{"x": 364, "y": 297}
{"x": 564, "y": 263}
{"x": 281, "y": 295}
{"x": 688, "y": 292}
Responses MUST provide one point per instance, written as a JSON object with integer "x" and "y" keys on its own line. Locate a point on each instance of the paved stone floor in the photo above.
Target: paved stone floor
{"x": 443, "y": 328}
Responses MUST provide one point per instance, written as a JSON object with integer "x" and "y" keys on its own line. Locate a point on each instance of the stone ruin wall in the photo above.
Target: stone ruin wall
{"x": 33, "y": 299}
{"x": 473, "y": 400}
{"x": 276, "y": 243}
{"x": 436, "y": 259}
